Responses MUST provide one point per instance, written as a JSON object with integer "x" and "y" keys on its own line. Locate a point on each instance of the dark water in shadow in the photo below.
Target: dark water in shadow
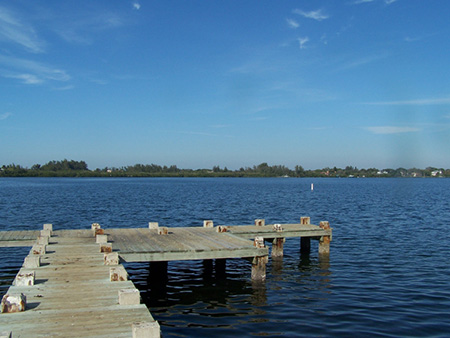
{"x": 387, "y": 276}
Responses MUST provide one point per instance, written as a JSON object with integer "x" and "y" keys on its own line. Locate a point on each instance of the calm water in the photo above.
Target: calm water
{"x": 388, "y": 274}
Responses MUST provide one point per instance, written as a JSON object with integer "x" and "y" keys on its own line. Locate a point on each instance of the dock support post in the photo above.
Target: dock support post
{"x": 259, "y": 262}
{"x": 220, "y": 267}
{"x": 259, "y": 268}
{"x": 305, "y": 245}
{"x": 324, "y": 242}
{"x": 277, "y": 247}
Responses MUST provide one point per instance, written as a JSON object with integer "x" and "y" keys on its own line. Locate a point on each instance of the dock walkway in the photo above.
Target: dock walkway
{"x": 72, "y": 295}
{"x": 75, "y": 287}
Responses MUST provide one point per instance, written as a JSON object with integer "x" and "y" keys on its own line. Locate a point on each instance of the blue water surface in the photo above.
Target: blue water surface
{"x": 387, "y": 275}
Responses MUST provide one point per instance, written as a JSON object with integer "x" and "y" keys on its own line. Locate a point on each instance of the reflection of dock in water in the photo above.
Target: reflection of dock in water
{"x": 71, "y": 283}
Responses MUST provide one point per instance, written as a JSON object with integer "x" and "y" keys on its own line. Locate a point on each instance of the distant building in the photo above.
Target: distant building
{"x": 435, "y": 173}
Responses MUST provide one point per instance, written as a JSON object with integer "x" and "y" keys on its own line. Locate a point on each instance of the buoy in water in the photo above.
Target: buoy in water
{"x": 312, "y": 186}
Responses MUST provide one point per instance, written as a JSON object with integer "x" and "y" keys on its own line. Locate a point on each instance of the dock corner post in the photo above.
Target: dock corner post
{"x": 260, "y": 222}
{"x": 146, "y": 330}
{"x": 324, "y": 242}
{"x": 13, "y": 303}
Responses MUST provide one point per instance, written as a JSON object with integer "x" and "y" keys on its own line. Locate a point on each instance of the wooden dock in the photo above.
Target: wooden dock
{"x": 74, "y": 286}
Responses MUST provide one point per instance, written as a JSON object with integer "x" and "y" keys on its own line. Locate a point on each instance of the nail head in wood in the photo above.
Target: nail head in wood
{"x": 146, "y": 330}
{"x": 13, "y": 303}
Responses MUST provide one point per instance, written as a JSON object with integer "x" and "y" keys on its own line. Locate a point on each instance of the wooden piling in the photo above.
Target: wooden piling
{"x": 324, "y": 242}
{"x": 277, "y": 247}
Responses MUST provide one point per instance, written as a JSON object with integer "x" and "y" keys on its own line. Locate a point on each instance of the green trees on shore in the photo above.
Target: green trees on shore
{"x": 72, "y": 168}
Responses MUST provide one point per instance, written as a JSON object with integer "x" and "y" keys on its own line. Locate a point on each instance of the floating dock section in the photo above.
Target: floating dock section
{"x": 72, "y": 284}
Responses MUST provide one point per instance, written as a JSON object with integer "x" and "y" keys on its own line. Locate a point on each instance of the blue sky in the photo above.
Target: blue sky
{"x": 230, "y": 83}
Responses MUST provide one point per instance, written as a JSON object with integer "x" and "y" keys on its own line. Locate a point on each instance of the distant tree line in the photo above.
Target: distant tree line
{"x": 72, "y": 168}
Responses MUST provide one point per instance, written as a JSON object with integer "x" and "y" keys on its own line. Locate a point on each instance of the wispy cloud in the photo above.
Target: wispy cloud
{"x": 315, "y": 15}
{"x": 14, "y": 30}
{"x": 137, "y": 6}
{"x": 302, "y": 42}
{"x": 387, "y": 2}
{"x": 4, "y": 116}
{"x": 419, "y": 102}
{"x": 82, "y": 30}
{"x": 292, "y": 23}
{"x": 357, "y": 2}
{"x": 363, "y": 61}
{"x": 391, "y": 130}
{"x": 30, "y": 72}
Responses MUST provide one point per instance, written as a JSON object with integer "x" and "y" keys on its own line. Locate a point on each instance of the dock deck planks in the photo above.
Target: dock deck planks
{"x": 73, "y": 295}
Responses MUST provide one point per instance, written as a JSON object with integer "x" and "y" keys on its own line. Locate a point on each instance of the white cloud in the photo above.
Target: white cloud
{"x": 302, "y": 42}
{"x": 388, "y": 2}
{"x": 13, "y": 30}
{"x": 392, "y": 130}
{"x": 292, "y": 23}
{"x": 316, "y": 15}
{"x": 4, "y": 116}
{"x": 137, "y": 6}
{"x": 30, "y": 72}
{"x": 26, "y": 78}
{"x": 357, "y": 2}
